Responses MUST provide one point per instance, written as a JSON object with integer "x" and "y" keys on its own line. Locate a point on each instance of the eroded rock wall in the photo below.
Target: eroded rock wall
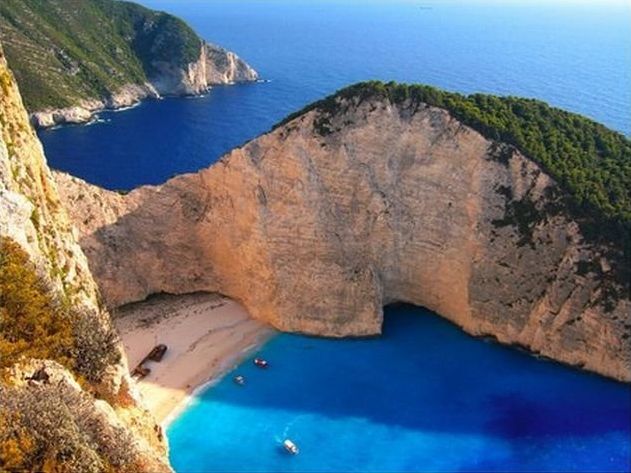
{"x": 215, "y": 66}
{"x": 32, "y": 215}
{"x": 314, "y": 228}
{"x": 31, "y": 212}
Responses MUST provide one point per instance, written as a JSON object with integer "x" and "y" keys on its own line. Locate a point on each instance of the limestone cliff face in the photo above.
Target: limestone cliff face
{"x": 32, "y": 213}
{"x": 225, "y": 67}
{"x": 215, "y": 66}
{"x": 33, "y": 217}
{"x": 314, "y": 231}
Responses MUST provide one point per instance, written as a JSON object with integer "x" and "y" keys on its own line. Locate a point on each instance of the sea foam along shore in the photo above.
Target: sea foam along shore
{"x": 206, "y": 335}
{"x": 86, "y": 110}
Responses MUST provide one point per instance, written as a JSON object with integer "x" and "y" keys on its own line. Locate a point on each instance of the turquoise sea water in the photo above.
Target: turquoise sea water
{"x": 575, "y": 56}
{"x": 424, "y": 397}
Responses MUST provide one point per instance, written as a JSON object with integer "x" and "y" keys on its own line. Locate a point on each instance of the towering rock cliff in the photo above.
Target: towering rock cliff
{"x": 214, "y": 66}
{"x": 72, "y": 59}
{"x": 359, "y": 202}
{"x": 66, "y": 400}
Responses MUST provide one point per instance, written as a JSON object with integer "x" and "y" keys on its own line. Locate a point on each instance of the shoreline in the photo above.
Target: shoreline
{"x": 87, "y": 111}
{"x": 87, "y": 116}
{"x": 194, "y": 393}
{"x": 207, "y": 335}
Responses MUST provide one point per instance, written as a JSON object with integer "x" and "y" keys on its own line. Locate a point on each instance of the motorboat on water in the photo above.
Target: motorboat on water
{"x": 261, "y": 363}
{"x": 240, "y": 380}
{"x": 290, "y": 447}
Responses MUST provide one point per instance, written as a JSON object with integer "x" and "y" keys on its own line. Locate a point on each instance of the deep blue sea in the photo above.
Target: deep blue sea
{"x": 575, "y": 56}
{"x": 425, "y": 396}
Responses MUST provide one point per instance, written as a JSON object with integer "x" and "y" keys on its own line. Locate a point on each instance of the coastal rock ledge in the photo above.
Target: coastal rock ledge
{"x": 317, "y": 225}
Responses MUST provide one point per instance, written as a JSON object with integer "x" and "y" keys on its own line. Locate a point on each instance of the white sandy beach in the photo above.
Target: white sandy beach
{"x": 206, "y": 335}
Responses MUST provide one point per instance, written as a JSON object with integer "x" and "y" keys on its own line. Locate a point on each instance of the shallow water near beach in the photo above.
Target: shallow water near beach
{"x": 423, "y": 397}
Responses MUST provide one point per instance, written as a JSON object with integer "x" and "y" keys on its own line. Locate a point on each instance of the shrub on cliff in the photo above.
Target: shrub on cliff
{"x": 94, "y": 347}
{"x": 54, "y": 428}
{"x": 156, "y": 36}
{"x": 16, "y": 443}
{"x": 34, "y": 323}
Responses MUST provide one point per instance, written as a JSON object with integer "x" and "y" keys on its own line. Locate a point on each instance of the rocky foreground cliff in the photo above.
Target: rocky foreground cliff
{"x": 66, "y": 400}
{"x": 73, "y": 59}
{"x": 363, "y": 201}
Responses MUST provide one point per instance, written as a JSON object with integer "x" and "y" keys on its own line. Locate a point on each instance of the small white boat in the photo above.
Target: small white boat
{"x": 240, "y": 380}
{"x": 291, "y": 447}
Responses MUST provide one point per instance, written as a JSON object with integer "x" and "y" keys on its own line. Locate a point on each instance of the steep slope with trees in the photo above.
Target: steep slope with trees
{"x": 74, "y": 57}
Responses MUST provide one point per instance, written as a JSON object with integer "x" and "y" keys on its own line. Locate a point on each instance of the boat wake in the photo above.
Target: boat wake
{"x": 281, "y": 438}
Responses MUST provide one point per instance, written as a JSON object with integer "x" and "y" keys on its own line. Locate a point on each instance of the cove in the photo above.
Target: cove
{"x": 423, "y": 397}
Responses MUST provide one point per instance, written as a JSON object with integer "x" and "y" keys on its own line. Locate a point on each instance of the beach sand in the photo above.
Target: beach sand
{"x": 206, "y": 335}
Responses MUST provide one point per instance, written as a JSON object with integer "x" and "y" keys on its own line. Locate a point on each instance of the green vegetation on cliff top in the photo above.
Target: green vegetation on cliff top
{"x": 62, "y": 51}
{"x": 591, "y": 162}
